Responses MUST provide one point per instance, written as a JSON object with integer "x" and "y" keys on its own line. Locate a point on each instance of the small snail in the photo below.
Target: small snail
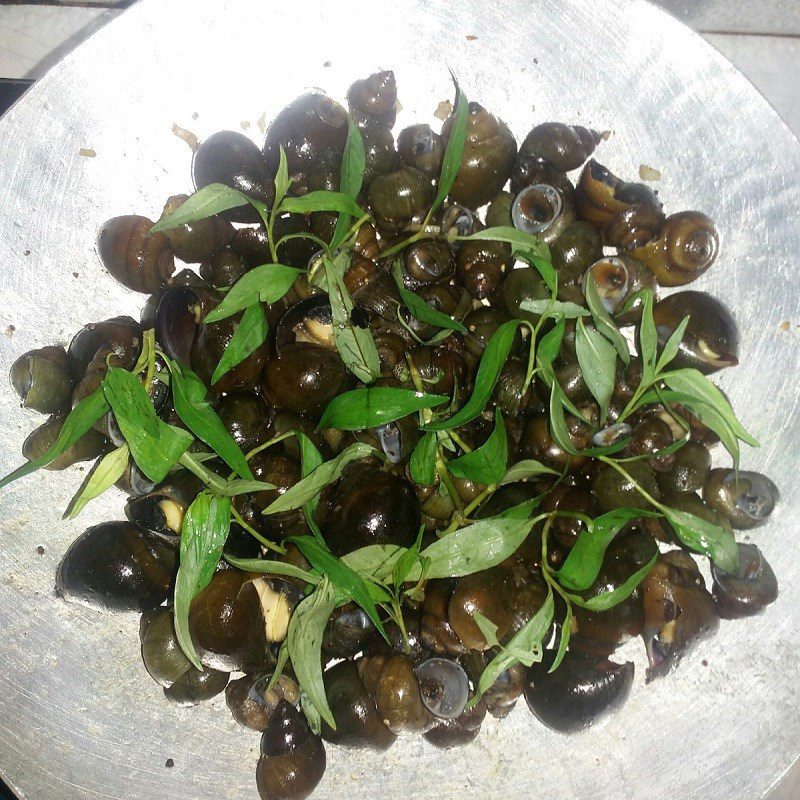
{"x": 542, "y": 211}
{"x": 373, "y": 100}
{"x": 566, "y": 147}
{"x": 199, "y": 240}
{"x": 42, "y": 380}
{"x": 422, "y": 149}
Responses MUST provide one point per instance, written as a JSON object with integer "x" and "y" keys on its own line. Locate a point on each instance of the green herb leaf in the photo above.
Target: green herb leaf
{"x": 422, "y": 464}
{"x": 554, "y": 308}
{"x": 487, "y": 463}
{"x": 355, "y": 344}
{"x": 522, "y": 510}
{"x": 205, "y": 202}
{"x": 563, "y": 642}
{"x": 351, "y": 176}
{"x": 310, "y": 459}
{"x": 648, "y": 337}
{"x": 306, "y": 489}
{"x": 582, "y": 565}
{"x": 267, "y": 283}
{"x": 304, "y": 643}
{"x": 693, "y": 382}
{"x": 322, "y": 201}
{"x": 527, "y": 468}
{"x": 402, "y": 569}
{"x": 78, "y": 421}
{"x": 704, "y": 537}
{"x": 453, "y": 152}
{"x": 376, "y": 561}
{"x": 341, "y": 575}
{"x": 191, "y": 405}
{"x": 375, "y": 405}
{"x": 155, "y": 445}
{"x": 203, "y": 535}
{"x": 282, "y": 179}
{"x": 524, "y": 647}
{"x": 236, "y": 487}
{"x": 602, "y": 319}
{"x": 672, "y": 346}
{"x": 597, "y": 359}
{"x": 479, "y": 546}
{"x": 312, "y": 715}
{"x": 250, "y": 334}
{"x": 271, "y": 567}
{"x": 494, "y": 356}
{"x": 558, "y": 422}
{"x": 106, "y": 473}
{"x": 607, "y": 600}
{"x": 420, "y": 309}
{"x": 519, "y": 240}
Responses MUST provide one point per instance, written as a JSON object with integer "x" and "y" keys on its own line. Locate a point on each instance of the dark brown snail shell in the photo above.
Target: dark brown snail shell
{"x": 566, "y": 147}
{"x": 178, "y": 317}
{"x": 482, "y": 265}
{"x": 138, "y": 259}
{"x": 398, "y": 699}
{"x": 162, "y": 655}
{"x": 618, "y": 278}
{"x": 357, "y": 722}
{"x": 711, "y": 339}
{"x": 199, "y": 240}
{"x": 746, "y": 499}
{"x": 686, "y": 247}
{"x": 196, "y": 686}
{"x": 489, "y": 592}
{"x": 688, "y": 471}
{"x": 348, "y": 632}
{"x": 400, "y": 198}
{"x": 747, "y": 592}
{"x": 115, "y": 566}
{"x": 614, "y": 491}
{"x": 247, "y": 418}
{"x": 42, "y": 380}
{"x": 579, "y": 693}
{"x": 232, "y": 159}
{"x": 41, "y": 439}
{"x": 252, "y": 702}
{"x": 449, "y": 733}
{"x": 421, "y": 148}
{"x": 529, "y": 170}
{"x": 487, "y": 160}
{"x": 121, "y": 336}
{"x": 372, "y": 101}
{"x": 161, "y": 510}
{"x": 292, "y": 760}
{"x": 429, "y": 261}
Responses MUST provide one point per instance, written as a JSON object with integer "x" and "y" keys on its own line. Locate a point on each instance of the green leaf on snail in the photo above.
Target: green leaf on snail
{"x": 422, "y": 464}
{"x": 107, "y": 472}
{"x": 582, "y": 566}
{"x": 271, "y": 567}
{"x": 147, "y": 353}
{"x": 648, "y": 336}
{"x": 407, "y": 561}
{"x": 546, "y": 353}
{"x": 420, "y": 309}
{"x": 479, "y": 546}
{"x": 250, "y": 334}
{"x": 521, "y": 510}
{"x": 78, "y": 421}
{"x": 554, "y": 308}
{"x": 203, "y": 535}
{"x": 672, "y": 345}
{"x": 527, "y": 468}
{"x": 607, "y": 600}
{"x": 602, "y": 319}
{"x": 524, "y": 647}
{"x": 376, "y": 561}
{"x": 322, "y": 201}
{"x": 563, "y": 641}
{"x": 597, "y": 359}
{"x": 304, "y": 644}
{"x": 372, "y": 406}
{"x": 155, "y": 445}
{"x": 487, "y": 463}
{"x": 519, "y": 240}
{"x": 312, "y": 715}
{"x": 351, "y": 176}
{"x": 494, "y": 356}
{"x": 282, "y": 179}
{"x": 354, "y": 343}
{"x": 558, "y": 422}
{"x": 306, "y": 489}
{"x": 693, "y": 382}
{"x": 310, "y": 459}
{"x": 239, "y": 486}
{"x": 704, "y": 537}
{"x": 212, "y": 199}
{"x": 267, "y": 284}
{"x": 451, "y": 160}
{"x": 191, "y": 405}
{"x": 343, "y": 577}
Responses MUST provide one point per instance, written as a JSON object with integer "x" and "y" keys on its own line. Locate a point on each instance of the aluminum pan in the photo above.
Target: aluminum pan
{"x": 79, "y": 718}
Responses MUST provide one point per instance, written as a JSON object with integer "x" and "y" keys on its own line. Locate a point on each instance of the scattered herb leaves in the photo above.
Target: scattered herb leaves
{"x": 351, "y": 176}
{"x": 602, "y": 319}
{"x": 420, "y": 309}
{"x": 322, "y": 201}
{"x": 597, "y": 359}
{"x": 454, "y": 150}
{"x": 372, "y": 406}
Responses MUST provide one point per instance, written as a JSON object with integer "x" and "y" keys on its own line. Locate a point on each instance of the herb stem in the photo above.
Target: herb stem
{"x": 405, "y": 243}
{"x": 254, "y": 533}
{"x": 353, "y": 230}
{"x": 462, "y": 518}
{"x": 274, "y": 440}
{"x": 214, "y": 482}
{"x": 459, "y": 441}
{"x": 444, "y": 475}
{"x": 628, "y": 477}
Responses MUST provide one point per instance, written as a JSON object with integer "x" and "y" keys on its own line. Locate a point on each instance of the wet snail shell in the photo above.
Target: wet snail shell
{"x": 711, "y": 339}
{"x": 459, "y": 731}
{"x": 688, "y": 471}
{"x": 161, "y": 510}
{"x": 687, "y": 246}
{"x": 481, "y": 266}
{"x": 252, "y": 701}
{"x": 42, "y": 380}
{"x": 178, "y": 317}
{"x": 224, "y": 268}
{"x": 162, "y": 655}
{"x": 400, "y": 198}
{"x": 502, "y": 695}
{"x": 529, "y": 170}
{"x": 373, "y": 100}
{"x": 199, "y": 240}
{"x": 746, "y": 499}
{"x": 119, "y": 335}
{"x": 41, "y": 439}
{"x": 292, "y": 760}
{"x": 542, "y": 211}
{"x": 247, "y": 418}
{"x": 618, "y": 278}
{"x": 566, "y": 147}
{"x": 579, "y": 693}
{"x": 429, "y": 261}
{"x": 357, "y": 722}
{"x": 488, "y": 592}
{"x": 138, "y": 259}
{"x": 310, "y": 321}
{"x": 747, "y": 592}
{"x": 117, "y": 567}
{"x": 196, "y": 686}
{"x": 444, "y": 687}
{"x": 348, "y": 631}
{"x": 421, "y": 148}
{"x": 398, "y": 699}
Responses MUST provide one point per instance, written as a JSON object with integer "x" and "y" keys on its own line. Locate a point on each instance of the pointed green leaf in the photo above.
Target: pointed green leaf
{"x": 487, "y": 463}
{"x": 375, "y": 405}
{"x": 212, "y": 199}
{"x": 267, "y": 283}
{"x": 108, "y": 471}
{"x": 250, "y": 334}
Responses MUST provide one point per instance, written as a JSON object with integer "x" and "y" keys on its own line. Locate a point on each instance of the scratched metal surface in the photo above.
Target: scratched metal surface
{"x": 79, "y": 718}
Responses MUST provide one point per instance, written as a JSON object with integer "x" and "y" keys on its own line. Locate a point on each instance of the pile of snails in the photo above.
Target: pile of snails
{"x": 421, "y": 679}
